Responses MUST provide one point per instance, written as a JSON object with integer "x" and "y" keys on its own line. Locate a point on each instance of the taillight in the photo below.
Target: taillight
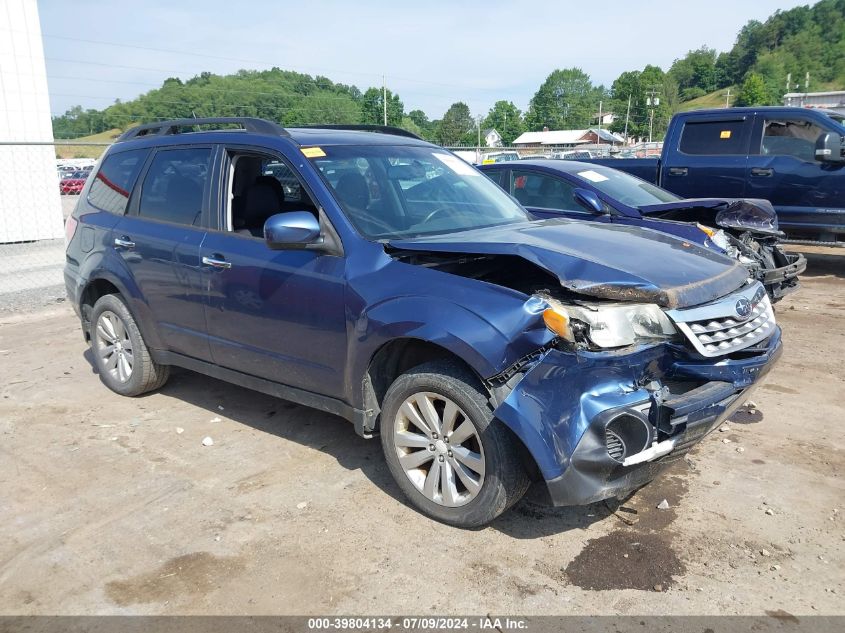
{"x": 70, "y": 227}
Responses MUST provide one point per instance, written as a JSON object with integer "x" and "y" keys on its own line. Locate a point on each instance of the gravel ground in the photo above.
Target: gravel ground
{"x": 113, "y": 505}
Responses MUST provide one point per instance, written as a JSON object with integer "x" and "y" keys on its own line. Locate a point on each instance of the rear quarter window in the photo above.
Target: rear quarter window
{"x": 113, "y": 183}
{"x": 714, "y": 137}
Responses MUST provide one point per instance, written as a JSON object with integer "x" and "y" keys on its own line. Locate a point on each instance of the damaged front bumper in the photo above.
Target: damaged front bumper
{"x": 783, "y": 280}
{"x": 574, "y": 410}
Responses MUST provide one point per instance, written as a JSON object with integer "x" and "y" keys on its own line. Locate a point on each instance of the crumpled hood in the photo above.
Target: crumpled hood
{"x": 602, "y": 260}
{"x": 752, "y": 214}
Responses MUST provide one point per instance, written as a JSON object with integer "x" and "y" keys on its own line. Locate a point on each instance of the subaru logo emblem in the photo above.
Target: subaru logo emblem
{"x": 743, "y": 307}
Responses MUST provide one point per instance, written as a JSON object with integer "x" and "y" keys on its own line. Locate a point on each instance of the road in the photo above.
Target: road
{"x": 113, "y": 505}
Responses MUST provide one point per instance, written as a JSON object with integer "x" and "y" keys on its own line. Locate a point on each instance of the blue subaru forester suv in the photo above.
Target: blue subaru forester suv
{"x": 378, "y": 277}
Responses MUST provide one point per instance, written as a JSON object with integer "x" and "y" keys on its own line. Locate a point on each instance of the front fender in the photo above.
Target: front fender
{"x": 486, "y": 346}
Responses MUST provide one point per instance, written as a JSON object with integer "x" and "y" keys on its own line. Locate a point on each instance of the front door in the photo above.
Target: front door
{"x": 783, "y": 169}
{"x": 277, "y": 315}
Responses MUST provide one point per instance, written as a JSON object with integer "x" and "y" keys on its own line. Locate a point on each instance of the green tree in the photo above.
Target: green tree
{"x": 428, "y": 129}
{"x": 506, "y": 119}
{"x": 567, "y": 99}
{"x": 753, "y": 91}
{"x": 641, "y": 86}
{"x": 697, "y": 69}
{"x": 408, "y": 124}
{"x": 456, "y": 125}
{"x": 372, "y": 107}
{"x": 324, "y": 107}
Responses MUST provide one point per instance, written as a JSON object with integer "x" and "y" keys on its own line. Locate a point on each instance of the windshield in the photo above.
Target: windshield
{"x": 626, "y": 188}
{"x": 405, "y": 191}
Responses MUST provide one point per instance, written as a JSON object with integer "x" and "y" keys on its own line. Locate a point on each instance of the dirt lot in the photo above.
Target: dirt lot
{"x": 106, "y": 507}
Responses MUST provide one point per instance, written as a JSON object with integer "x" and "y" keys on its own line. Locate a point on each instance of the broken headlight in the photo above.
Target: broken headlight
{"x": 611, "y": 325}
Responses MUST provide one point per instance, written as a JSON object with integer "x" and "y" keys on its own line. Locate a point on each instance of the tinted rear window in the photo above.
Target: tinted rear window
{"x": 713, "y": 137}
{"x": 114, "y": 181}
{"x": 174, "y": 185}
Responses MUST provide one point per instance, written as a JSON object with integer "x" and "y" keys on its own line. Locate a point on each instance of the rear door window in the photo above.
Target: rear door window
{"x": 174, "y": 186}
{"x": 715, "y": 138}
{"x": 114, "y": 181}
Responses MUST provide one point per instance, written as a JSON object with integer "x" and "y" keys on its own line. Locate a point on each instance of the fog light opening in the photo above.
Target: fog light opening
{"x": 626, "y": 435}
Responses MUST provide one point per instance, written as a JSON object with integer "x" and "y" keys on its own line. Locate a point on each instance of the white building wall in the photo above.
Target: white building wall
{"x": 30, "y": 208}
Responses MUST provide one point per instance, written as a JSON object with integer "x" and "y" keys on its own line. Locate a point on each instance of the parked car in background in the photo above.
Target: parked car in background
{"x": 747, "y": 230}
{"x": 404, "y": 291}
{"x": 792, "y": 157}
{"x": 575, "y": 154}
{"x": 498, "y": 157}
{"x": 72, "y": 183}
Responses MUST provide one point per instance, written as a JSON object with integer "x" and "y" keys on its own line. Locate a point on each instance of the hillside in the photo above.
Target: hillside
{"x": 87, "y": 151}
{"x": 715, "y": 99}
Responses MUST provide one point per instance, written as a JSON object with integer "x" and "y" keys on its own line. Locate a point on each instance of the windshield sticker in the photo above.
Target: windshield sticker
{"x": 457, "y": 165}
{"x": 592, "y": 176}
{"x": 313, "y": 152}
{"x": 725, "y": 134}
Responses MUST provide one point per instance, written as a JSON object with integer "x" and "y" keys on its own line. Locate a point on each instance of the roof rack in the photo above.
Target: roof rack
{"x": 163, "y": 128}
{"x": 383, "y": 129}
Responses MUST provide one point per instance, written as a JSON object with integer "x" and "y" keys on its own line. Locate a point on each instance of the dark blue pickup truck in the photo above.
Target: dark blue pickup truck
{"x": 792, "y": 157}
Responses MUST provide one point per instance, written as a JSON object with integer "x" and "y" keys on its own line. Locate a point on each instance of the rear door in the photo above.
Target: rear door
{"x": 159, "y": 240}
{"x": 708, "y": 158}
{"x": 782, "y": 168}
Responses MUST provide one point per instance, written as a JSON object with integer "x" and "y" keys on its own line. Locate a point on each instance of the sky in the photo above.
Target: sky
{"x": 431, "y": 53}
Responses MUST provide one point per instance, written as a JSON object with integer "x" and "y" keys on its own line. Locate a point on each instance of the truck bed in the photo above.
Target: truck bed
{"x": 645, "y": 168}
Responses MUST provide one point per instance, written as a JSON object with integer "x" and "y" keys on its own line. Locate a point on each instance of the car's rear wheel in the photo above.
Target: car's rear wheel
{"x": 120, "y": 353}
{"x": 444, "y": 449}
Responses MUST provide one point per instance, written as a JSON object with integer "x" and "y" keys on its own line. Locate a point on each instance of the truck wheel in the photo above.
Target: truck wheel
{"x": 449, "y": 456}
{"x": 122, "y": 358}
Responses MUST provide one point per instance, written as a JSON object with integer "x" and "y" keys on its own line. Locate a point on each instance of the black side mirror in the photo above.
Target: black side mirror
{"x": 292, "y": 230}
{"x": 588, "y": 199}
{"x": 829, "y": 148}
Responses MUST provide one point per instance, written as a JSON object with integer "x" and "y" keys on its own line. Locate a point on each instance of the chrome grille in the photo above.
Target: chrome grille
{"x": 722, "y": 327}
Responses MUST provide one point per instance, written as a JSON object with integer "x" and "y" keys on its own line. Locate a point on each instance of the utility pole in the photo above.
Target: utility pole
{"x": 478, "y": 146}
{"x": 652, "y": 102}
{"x": 728, "y": 98}
{"x": 600, "y": 104}
{"x": 627, "y": 115}
{"x": 806, "y": 86}
{"x": 384, "y": 96}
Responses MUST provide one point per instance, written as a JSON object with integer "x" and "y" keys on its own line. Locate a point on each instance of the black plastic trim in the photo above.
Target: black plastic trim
{"x": 164, "y": 128}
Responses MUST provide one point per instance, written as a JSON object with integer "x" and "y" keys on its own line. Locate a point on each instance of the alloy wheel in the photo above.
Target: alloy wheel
{"x": 114, "y": 346}
{"x": 439, "y": 449}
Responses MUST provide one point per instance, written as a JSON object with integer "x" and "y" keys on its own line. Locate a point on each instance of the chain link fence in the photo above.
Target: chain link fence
{"x": 32, "y": 216}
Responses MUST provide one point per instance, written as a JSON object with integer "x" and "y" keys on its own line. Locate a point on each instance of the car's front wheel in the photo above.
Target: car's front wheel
{"x": 444, "y": 449}
{"x": 120, "y": 353}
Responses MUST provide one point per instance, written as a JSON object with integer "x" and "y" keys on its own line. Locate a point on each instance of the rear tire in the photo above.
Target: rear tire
{"x": 120, "y": 353}
{"x": 474, "y": 472}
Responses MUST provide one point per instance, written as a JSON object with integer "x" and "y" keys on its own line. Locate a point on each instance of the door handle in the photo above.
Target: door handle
{"x": 124, "y": 242}
{"x": 678, "y": 171}
{"x": 214, "y": 262}
{"x": 761, "y": 171}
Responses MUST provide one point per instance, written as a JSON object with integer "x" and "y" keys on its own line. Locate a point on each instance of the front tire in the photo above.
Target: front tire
{"x": 447, "y": 453}
{"x": 120, "y": 353}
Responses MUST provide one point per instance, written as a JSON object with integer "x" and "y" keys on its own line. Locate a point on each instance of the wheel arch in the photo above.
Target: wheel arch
{"x": 399, "y": 355}
{"x": 103, "y": 283}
